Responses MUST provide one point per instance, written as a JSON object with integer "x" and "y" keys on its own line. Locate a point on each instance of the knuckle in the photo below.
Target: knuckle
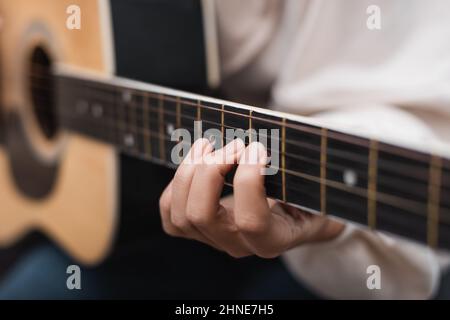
{"x": 164, "y": 204}
{"x": 170, "y": 230}
{"x": 181, "y": 177}
{"x": 179, "y": 223}
{"x": 197, "y": 218}
{"x": 250, "y": 225}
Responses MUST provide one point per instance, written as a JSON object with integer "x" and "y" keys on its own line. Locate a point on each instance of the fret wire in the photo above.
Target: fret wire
{"x": 311, "y": 178}
{"x": 347, "y": 205}
{"x": 303, "y": 128}
{"x": 147, "y": 140}
{"x": 330, "y": 165}
{"x": 112, "y": 131}
{"x": 300, "y": 144}
{"x": 342, "y": 154}
{"x": 312, "y": 194}
{"x": 199, "y": 113}
{"x": 162, "y": 151}
{"x": 222, "y": 121}
{"x": 287, "y": 140}
{"x": 133, "y": 123}
{"x": 307, "y": 146}
{"x": 121, "y": 124}
{"x": 392, "y": 200}
{"x": 323, "y": 171}
{"x": 372, "y": 185}
{"x": 235, "y": 128}
{"x": 394, "y": 161}
{"x": 230, "y": 184}
{"x": 433, "y": 201}
{"x": 250, "y": 136}
{"x": 292, "y": 126}
{"x": 310, "y": 160}
{"x": 178, "y": 111}
{"x": 300, "y": 127}
{"x": 336, "y": 135}
{"x": 241, "y": 115}
{"x": 283, "y": 159}
{"x": 266, "y": 120}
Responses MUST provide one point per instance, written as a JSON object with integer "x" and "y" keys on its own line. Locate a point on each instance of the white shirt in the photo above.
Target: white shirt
{"x": 319, "y": 57}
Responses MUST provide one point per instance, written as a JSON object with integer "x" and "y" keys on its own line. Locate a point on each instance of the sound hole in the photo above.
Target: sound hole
{"x": 41, "y": 84}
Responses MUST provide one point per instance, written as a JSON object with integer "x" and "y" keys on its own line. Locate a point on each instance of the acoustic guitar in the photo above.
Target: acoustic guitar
{"x": 70, "y": 116}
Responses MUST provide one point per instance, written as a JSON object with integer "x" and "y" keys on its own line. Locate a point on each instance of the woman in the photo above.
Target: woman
{"x": 320, "y": 58}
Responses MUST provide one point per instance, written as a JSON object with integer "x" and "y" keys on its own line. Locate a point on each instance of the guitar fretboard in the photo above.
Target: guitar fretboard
{"x": 373, "y": 183}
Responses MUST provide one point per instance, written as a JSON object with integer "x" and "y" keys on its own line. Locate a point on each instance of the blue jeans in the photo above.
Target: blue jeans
{"x": 186, "y": 270}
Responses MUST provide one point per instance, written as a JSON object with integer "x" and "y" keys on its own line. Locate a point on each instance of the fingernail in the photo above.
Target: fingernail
{"x": 257, "y": 153}
{"x": 231, "y": 150}
{"x": 199, "y": 148}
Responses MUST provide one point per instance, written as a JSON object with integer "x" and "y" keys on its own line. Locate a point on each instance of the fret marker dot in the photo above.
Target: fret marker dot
{"x": 97, "y": 110}
{"x": 126, "y": 96}
{"x": 350, "y": 178}
{"x": 128, "y": 140}
{"x": 82, "y": 106}
{"x": 170, "y": 128}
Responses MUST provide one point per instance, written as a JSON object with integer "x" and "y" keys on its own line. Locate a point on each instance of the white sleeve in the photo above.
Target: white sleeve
{"x": 338, "y": 268}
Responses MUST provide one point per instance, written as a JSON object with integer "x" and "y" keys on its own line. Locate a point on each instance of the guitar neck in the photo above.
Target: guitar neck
{"x": 386, "y": 187}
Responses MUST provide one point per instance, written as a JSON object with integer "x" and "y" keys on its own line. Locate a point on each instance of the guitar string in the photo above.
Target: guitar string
{"x": 299, "y": 127}
{"x": 360, "y": 173}
{"x": 311, "y": 160}
{"x": 158, "y": 96}
{"x": 158, "y": 134}
{"x": 364, "y": 174}
{"x": 382, "y": 164}
{"x": 341, "y": 154}
{"x": 380, "y": 179}
{"x": 445, "y": 219}
{"x": 313, "y": 130}
{"x": 441, "y": 217}
{"x": 392, "y": 200}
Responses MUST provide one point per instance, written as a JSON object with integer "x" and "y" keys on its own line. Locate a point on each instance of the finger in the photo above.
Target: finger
{"x": 181, "y": 185}
{"x": 204, "y": 210}
{"x": 207, "y": 184}
{"x": 253, "y": 216}
{"x": 164, "y": 208}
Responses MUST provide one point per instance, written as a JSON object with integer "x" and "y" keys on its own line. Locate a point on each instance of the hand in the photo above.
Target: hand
{"x": 246, "y": 224}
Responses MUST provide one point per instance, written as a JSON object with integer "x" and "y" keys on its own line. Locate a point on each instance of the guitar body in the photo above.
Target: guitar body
{"x": 73, "y": 188}
{"x": 77, "y": 202}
